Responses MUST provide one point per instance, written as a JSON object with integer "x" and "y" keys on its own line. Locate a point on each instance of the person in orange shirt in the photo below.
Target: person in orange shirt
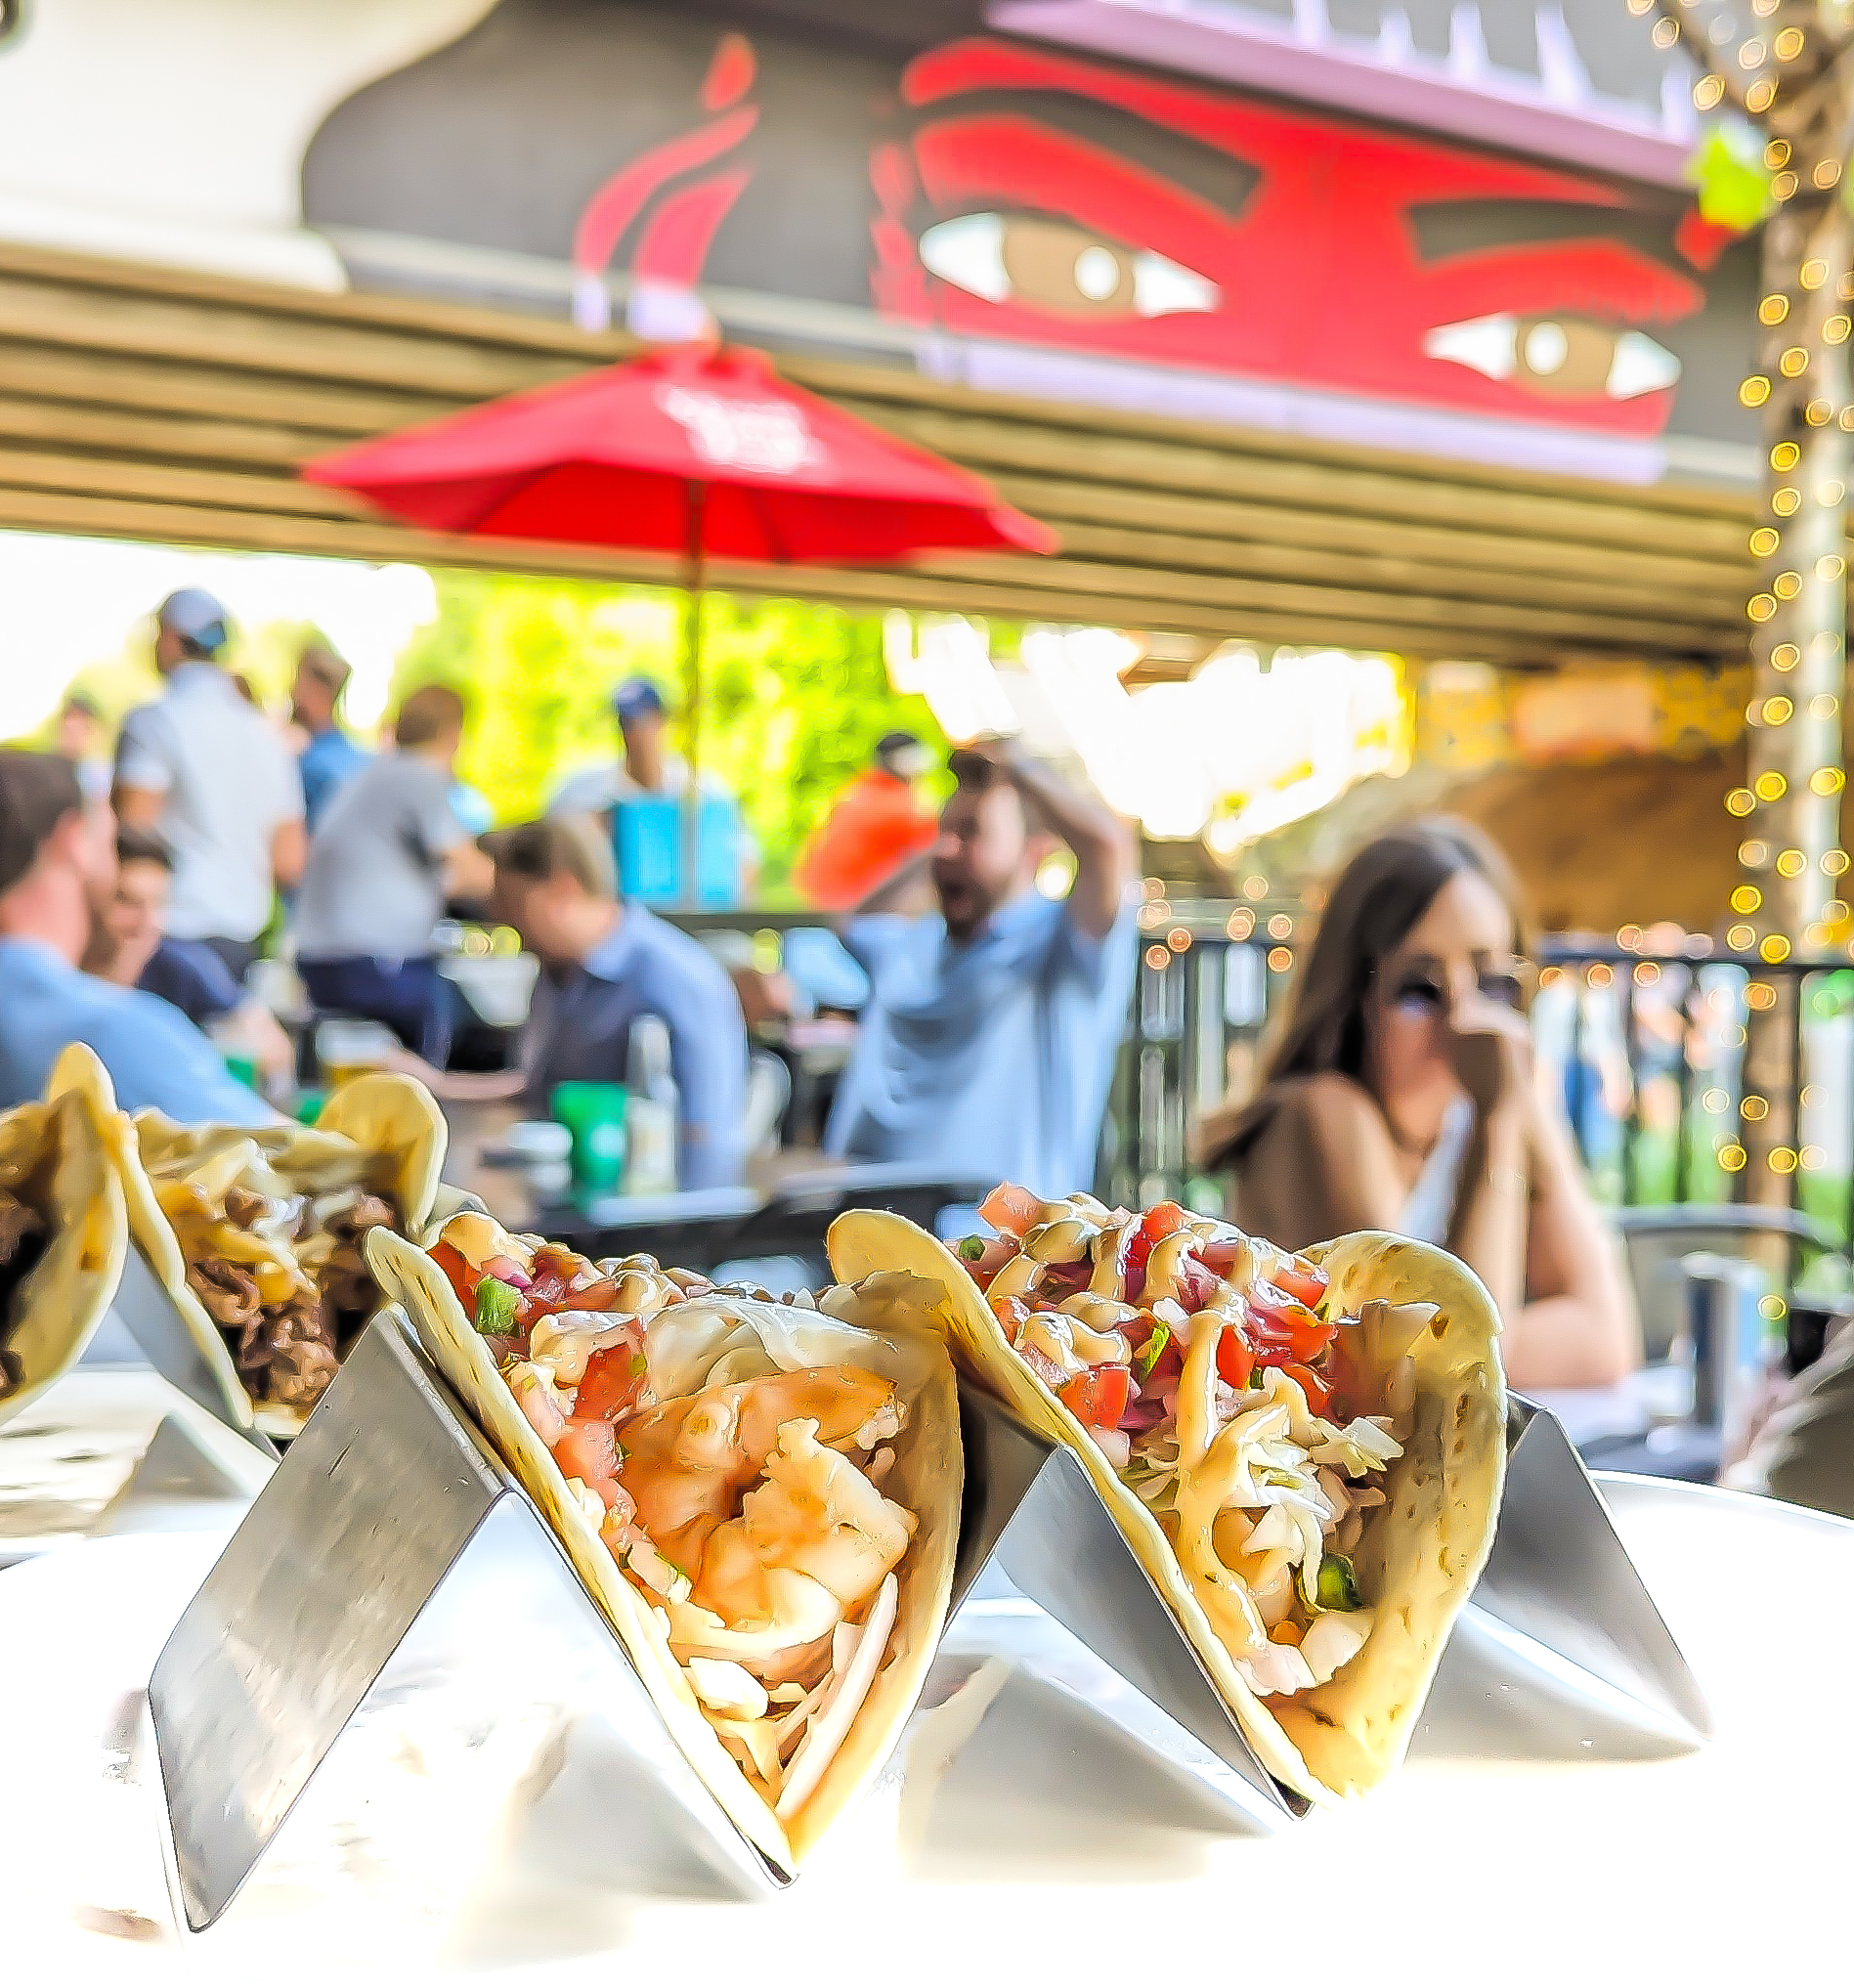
{"x": 875, "y": 826}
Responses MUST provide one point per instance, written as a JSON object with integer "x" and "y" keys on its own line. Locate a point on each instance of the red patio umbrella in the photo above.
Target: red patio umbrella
{"x": 707, "y": 455}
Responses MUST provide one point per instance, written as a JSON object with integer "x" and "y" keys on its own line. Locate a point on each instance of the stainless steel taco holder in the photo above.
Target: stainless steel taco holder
{"x": 361, "y": 1554}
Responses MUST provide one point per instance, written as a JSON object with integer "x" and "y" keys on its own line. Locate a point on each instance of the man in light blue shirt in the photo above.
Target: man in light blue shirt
{"x": 57, "y": 872}
{"x": 987, "y": 1045}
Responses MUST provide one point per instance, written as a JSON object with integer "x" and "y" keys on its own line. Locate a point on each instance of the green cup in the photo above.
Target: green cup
{"x": 308, "y": 1106}
{"x": 594, "y": 1116}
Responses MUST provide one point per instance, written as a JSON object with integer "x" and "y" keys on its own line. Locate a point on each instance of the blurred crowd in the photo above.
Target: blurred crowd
{"x": 149, "y": 896}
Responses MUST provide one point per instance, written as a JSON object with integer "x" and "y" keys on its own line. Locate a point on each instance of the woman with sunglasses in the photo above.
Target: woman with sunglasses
{"x": 1398, "y": 1093}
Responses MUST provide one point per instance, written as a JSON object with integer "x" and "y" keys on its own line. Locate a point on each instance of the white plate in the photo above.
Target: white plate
{"x": 1529, "y": 1838}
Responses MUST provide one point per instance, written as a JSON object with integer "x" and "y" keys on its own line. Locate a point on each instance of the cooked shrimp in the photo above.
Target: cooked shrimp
{"x": 685, "y": 1461}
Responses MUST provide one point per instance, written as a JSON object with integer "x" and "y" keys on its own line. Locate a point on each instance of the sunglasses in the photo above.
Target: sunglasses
{"x": 1422, "y": 989}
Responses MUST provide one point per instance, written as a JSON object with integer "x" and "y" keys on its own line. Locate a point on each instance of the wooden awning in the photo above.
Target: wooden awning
{"x": 153, "y": 404}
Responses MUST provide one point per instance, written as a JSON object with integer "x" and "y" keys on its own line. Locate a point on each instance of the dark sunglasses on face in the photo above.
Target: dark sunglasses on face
{"x": 1420, "y": 989}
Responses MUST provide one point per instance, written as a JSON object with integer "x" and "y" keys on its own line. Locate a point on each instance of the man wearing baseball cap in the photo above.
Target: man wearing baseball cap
{"x": 57, "y": 874}
{"x": 647, "y": 766}
{"x": 212, "y": 778}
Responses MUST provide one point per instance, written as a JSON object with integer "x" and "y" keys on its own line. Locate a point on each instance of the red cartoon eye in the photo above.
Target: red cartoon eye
{"x": 1050, "y": 265}
{"x": 1561, "y": 357}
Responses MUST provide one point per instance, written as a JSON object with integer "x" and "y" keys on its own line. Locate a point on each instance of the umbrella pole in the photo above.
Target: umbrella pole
{"x": 692, "y": 694}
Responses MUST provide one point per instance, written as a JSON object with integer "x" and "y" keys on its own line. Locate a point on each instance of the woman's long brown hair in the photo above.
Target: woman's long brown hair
{"x": 1375, "y": 902}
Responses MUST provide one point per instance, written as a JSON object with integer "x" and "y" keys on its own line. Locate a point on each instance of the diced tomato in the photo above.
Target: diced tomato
{"x": 1010, "y": 1313}
{"x": 1154, "y": 1226}
{"x": 1061, "y": 1280}
{"x": 1285, "y": 1328}
{"x": 1318, "y": 1393}
{"x": 614, "y": 1377}
{"x": 1099, "y": 1398}
{"x": 1223, "y": 1253}
{"x": 1235, "y": 1360}
{"x": 463, "y": 1279}
{"x": 588, "y": 1450}
{"x": 1011, "y": 1209}
{"x": 1300, "y": 1279}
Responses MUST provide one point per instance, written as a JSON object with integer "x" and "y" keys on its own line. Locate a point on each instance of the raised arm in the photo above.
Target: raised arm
{"x": 1101, "y": 841}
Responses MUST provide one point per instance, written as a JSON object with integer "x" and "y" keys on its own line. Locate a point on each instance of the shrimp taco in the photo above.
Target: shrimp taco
{"x": 762, "y": 1498}
{"x": 1306, "y": 1451}
{"x": 257, "y": 1232}
{"x": 63, "y": 1229}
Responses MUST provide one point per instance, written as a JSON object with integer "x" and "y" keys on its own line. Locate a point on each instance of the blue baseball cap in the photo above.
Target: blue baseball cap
{"x": 636, "y": 696}
{"x": 198, "y": 617}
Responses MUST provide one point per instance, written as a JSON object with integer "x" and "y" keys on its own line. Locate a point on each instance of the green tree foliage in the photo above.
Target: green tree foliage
{"x": 794, "y": 696}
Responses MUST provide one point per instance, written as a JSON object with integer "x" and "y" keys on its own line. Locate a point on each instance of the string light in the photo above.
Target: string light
{"x": 1754, "y": 855}
{"x": 1770, "y": 785}
{"x": 1786, "y": 586}
{"x": 1152, "y": 916}
{"x": 1819, "y": 414}
{"x": 1279, "y": 926}
{"x": 1157, "y": 957}
{"x": 1785, "y": 656}
{"x": 1777, "y": 153}
{"x": 1791, "y": 863}
{"x": 1793, "y": 362}
{"x": 1746, "y": 897}
{"x": 1598, "y": 973}
{"x": 1831, "y": 566}
{"x": 1775, "y": 949}
{"x": 1739, "y": 938}
{"x": 1241, "y": 924}
{"x": 1753, "y": 1107}
{"x": 1787, "y": 501}
{"x": 1764, "y": 541}
{"x": 1755, "y": 391}
{"x": 1815, "y": 272}
{"x": 1179, "y": 939}
{"x": 1279, "y": 959}
{"x": 1760, "y": 607}
{"x": 1826, "y": 174}
{"x": 1783, "y": 184}
{"x": 1647, "y": 973}
{"x": 1776, "y": 710}
{"x": 1761, "y": 95}
{"x": 1785, "y": 455}
{"x": 1732, "y": 1157}
{"x": 1708, "y": 92}
{"x": 1739, "y": 800}
{"x": 1826, "y": 780}
{"x": 1836, "y": 330}
{"x": 1835, "y": 863}
{"x": 1788, "y": 44}
{"x": 1782, "y": 1161}
{"x": 1714, "y": 1100}
{"x": 1757, "y": 996}
{"x": 1774, "y": 309}
{"x": 1255, "y": 888}
{"x": 1663, "y": 34}
{"x": 1810, "y": 1158}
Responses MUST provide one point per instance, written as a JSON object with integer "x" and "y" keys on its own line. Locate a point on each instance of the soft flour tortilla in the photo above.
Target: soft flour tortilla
{"x": 684, "y": 1342}
{"x": 55, "y": 1156}
{"x": 1422, "y": 1550}
{"x": 391, "y": 1124}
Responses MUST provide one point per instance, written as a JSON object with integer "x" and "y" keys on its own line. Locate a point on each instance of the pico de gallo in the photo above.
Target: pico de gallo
{"x": 1213, "y": 1372}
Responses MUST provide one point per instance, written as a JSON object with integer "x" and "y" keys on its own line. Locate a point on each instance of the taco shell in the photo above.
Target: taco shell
{"x": 392, "y": 1120}
{"x": 1418, "y": 1560}
{"x": 54, "y": 1157}
{"x": 926, "y": 1477}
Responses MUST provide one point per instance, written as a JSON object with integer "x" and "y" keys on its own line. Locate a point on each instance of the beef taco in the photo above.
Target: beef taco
{"x": 257, "y": 1232}
{"x": 763, "y": 1499}
{"x": 1305, "y": 1451}
{"x": 63, "y": 1229}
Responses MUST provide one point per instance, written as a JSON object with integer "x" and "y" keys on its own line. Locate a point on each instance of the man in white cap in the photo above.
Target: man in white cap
{"x": 207, "y": 773}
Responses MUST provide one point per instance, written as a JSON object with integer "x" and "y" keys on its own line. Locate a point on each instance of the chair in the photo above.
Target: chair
{"x": 769, "y": 1092}
{"x": 1655, "y": 1240}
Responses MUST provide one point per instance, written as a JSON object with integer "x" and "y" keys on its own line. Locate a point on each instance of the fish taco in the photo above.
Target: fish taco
{"x": 257, "y": 1233}
{"x": 762, "y": 1498}
{"x": 1306, "y": 1451}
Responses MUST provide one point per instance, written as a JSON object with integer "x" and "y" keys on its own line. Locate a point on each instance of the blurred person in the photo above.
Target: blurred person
{"x": 214, "y": 779}
{"x": 387, "y": 857}
{"x": 1399, "y": 1092}
{"x": 130, "y": 947}
{"x": 875, "y": 826}
{"x": 989, "y": 1038}
{"x": 328, "y": 758}
{"x": 606, "y": 963}
{"x": 57, "y": 881}
{"x": 80, "y": 741}
{"x": 648, "y": 770}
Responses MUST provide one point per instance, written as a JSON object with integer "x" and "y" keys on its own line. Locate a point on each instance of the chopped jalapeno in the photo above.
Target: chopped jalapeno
{"x": 1148, "y": 1356}
{"x": 496, "y": 1304}
{"x": 1335, "y": 1587}
{"x": 971, "y": 1247}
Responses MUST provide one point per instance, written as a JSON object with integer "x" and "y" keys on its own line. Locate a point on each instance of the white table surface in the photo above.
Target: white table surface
{"x": 1530, "y": 1838}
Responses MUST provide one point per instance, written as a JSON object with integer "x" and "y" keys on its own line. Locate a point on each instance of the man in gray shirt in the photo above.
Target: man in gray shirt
{"x": 215, "y": 781}
{"x": 386, "y": 856}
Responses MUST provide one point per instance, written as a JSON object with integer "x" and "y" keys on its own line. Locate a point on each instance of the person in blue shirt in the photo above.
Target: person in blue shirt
{"x": 987, "y": 1044}
{"x": 607, "y": 962}
{"x": 329, "y": 759}
{"x": 57, "y": 877}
